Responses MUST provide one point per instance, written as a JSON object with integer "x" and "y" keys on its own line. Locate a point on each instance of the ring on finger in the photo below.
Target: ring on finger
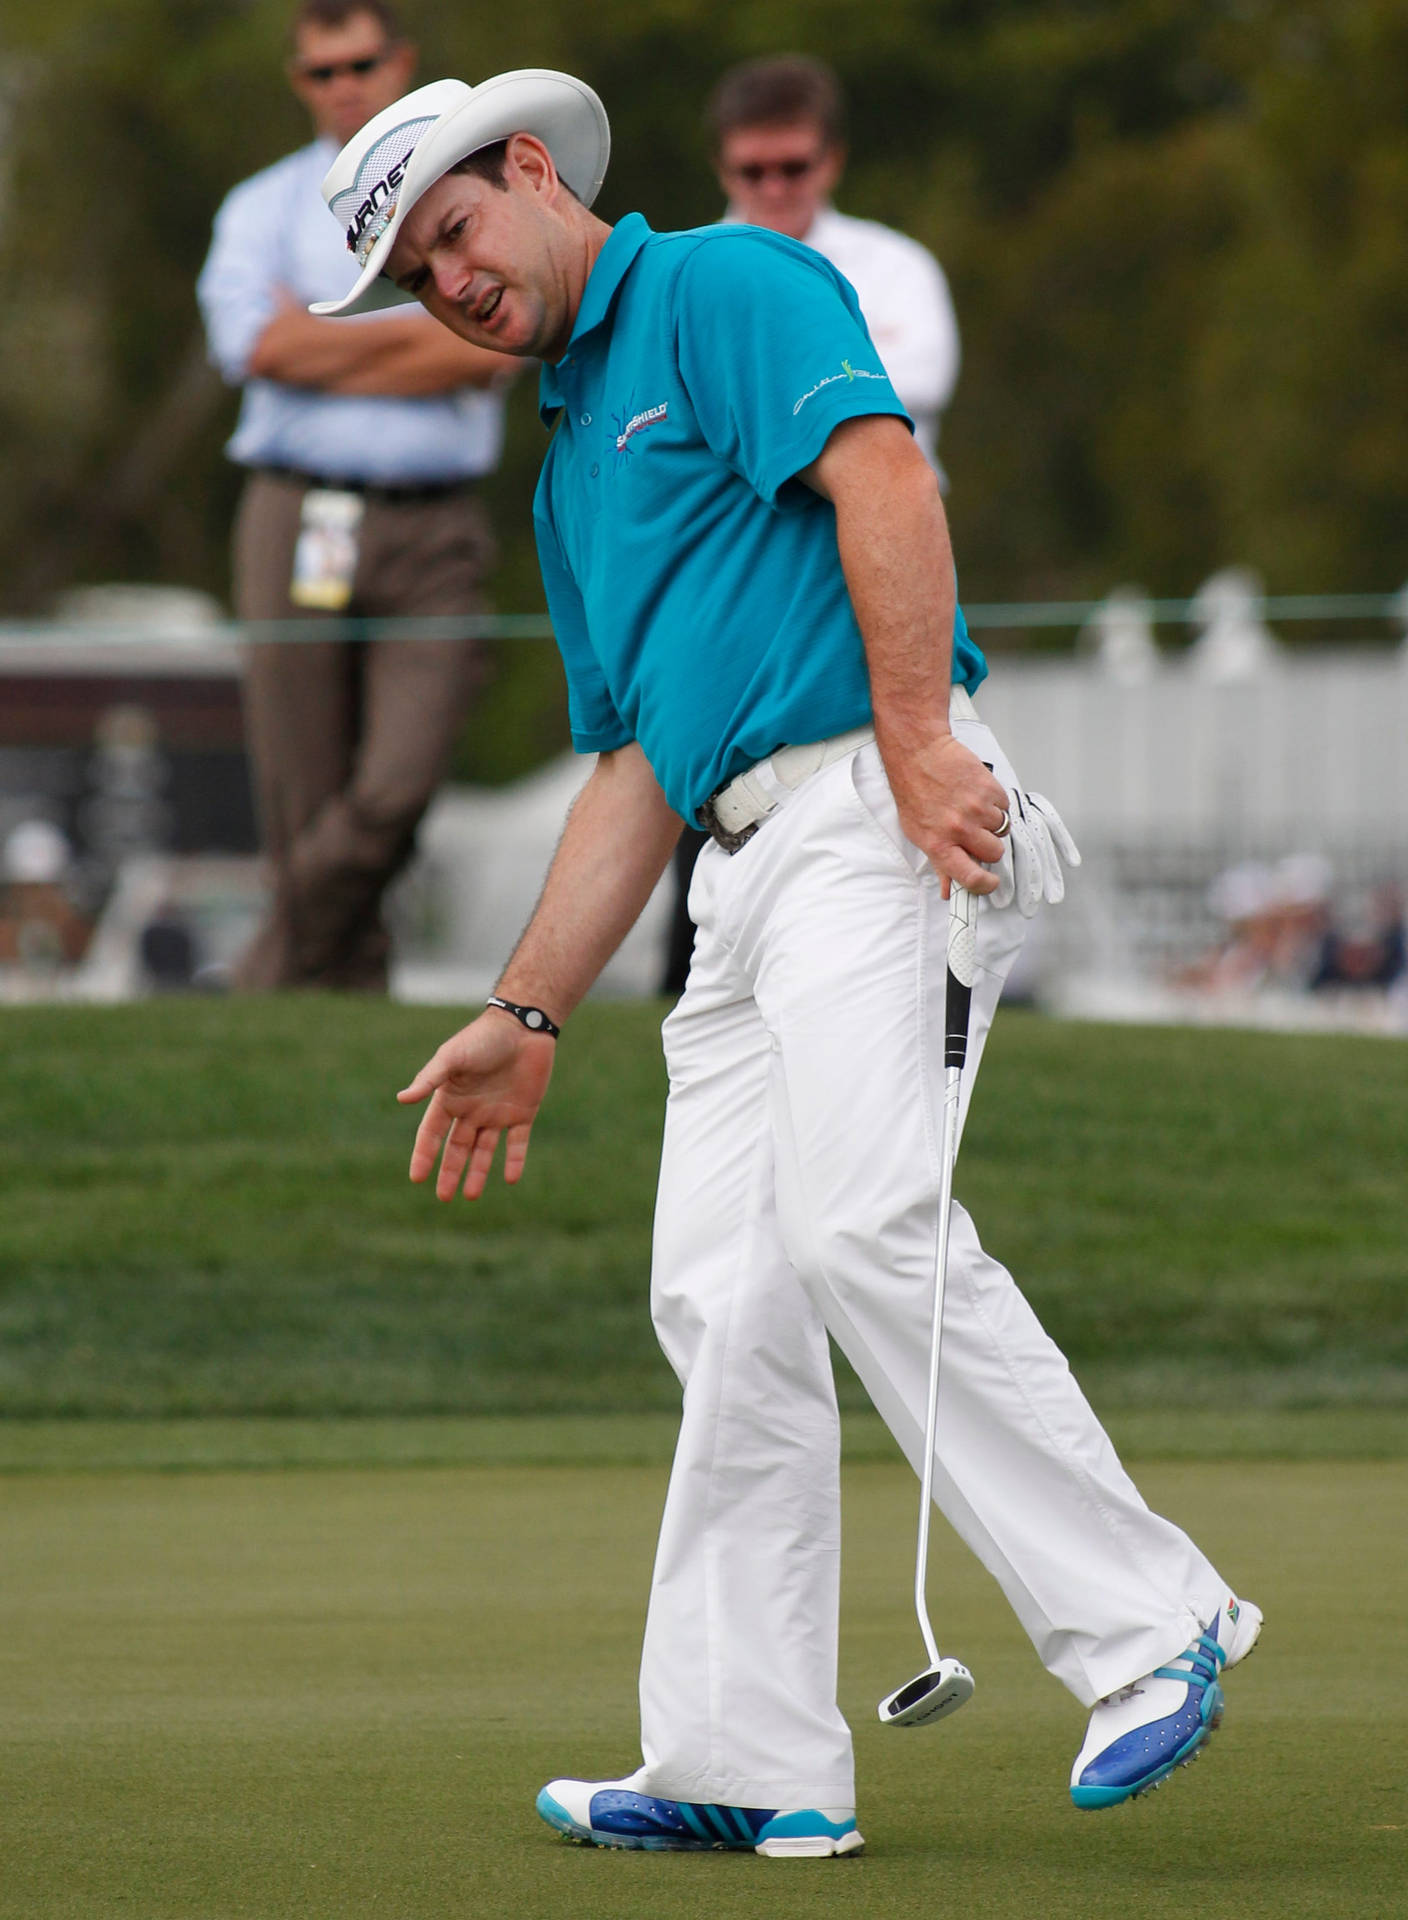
{"x": 1005, "y": 827}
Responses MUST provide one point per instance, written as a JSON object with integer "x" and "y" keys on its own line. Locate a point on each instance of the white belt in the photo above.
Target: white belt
{"x": 745, "y": 802}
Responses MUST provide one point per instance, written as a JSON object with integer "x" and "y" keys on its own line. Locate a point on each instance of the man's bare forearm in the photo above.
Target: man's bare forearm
{"x": 892, "y": 537}
{"x": 397, "y": 354}
{"x": 898, "y": 564}
{"x": 617, "y": 842}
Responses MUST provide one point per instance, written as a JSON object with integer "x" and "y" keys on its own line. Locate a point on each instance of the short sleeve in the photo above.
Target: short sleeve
{"x": 596, "y": 725}
{"x": 774, "y": 354}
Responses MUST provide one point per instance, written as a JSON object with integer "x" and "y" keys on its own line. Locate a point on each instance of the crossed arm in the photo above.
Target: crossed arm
{"x": 401, "y": 354}
{"x": 489, "y": 1079}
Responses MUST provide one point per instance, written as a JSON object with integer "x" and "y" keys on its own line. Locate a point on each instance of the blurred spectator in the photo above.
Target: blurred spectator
{"x": 1282, "y": 932}
{"x": 1244, "y": 897}
{"x": 169, "y": 950}
{"x": 1301, "y": 886}
{"x": 778, "y": 131}
{"x": 1366, "y": 948}
{"x": 41, "y": 930}
{"x": 363, "y": 440}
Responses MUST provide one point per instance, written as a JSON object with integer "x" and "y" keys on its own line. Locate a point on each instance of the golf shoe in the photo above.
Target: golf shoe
{"x": 1139, "y": 1734}
{"x": 613, "y": 1813}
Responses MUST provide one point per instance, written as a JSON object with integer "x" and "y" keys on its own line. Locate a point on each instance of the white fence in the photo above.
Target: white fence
{"x": 1170, "y": 765}
{"x": 1311, "y": 754}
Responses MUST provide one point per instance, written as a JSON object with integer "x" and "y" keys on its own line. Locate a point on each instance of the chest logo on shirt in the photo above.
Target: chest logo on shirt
{"x": 627, "y": 429}
{"x": 848, "y": 372}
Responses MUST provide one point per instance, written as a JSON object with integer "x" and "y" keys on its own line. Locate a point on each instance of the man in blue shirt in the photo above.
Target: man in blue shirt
{"x": 363, "y": 446}
{"x": 749, "y": 574}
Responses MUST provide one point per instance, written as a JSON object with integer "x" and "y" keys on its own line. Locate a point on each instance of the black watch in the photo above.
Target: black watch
{"x": 533, "y": 1018}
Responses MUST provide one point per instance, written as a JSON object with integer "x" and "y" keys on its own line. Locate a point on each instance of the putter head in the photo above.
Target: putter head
{"x": 929, "y": 1696}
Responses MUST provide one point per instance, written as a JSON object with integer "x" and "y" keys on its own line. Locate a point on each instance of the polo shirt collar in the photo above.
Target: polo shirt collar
{"x": 612, "y": 265}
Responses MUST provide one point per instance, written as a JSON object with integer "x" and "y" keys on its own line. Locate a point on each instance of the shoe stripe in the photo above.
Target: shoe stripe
{"x": 690, "y": 1816}
{"x": 742, "y": 1822}
{"x": 728, "y": 1822}
{"x": 1205, "y": 1660}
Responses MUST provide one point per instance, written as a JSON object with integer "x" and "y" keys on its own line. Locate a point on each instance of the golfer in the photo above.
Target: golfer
{"x": 750, "y": 580}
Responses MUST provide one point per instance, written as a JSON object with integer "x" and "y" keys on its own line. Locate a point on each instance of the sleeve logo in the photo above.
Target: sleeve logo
{"x": 848, "y": 372}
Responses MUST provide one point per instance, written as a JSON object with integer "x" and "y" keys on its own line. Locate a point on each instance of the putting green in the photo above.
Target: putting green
{"x": 242, "y": 1696}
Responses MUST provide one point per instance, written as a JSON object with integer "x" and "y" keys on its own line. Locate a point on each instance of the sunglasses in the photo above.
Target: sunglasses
{"x": 756, "y": 171}
{"x": 321, "y": 76}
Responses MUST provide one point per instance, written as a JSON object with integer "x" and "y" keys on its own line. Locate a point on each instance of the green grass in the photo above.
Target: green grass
{"x": 215, "y": 1445}
{"x": 204, "y": 1213}
{"x": 333, "y": 1695}
{"x": 244, "y": 1695}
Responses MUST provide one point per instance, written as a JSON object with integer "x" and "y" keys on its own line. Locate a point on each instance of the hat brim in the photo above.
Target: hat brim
{"x": 561, "y": 111}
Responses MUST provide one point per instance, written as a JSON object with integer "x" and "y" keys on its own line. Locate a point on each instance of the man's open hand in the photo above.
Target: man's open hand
{"x": 488, "y": 1079}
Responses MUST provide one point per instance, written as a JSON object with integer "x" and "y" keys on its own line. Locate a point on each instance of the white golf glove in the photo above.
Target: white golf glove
{"x": 1030, "y": 868}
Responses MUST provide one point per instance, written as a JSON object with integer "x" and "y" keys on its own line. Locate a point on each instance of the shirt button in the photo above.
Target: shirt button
{"x": 595, "y": 472}
{"x": 586, "y": 419}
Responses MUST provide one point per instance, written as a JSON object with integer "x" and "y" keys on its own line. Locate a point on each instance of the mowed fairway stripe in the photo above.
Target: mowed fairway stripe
{"x": 240, "y": 1696}
{"x": 1192, "y": 1230}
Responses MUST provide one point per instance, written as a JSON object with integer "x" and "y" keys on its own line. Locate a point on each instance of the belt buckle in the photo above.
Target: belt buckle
{"x": 722, "y": 836}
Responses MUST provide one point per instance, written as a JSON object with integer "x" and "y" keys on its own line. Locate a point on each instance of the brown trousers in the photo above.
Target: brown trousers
{"x": 348, "y": 740}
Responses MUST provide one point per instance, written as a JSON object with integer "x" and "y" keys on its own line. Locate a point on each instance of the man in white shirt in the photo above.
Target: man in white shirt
{"x": 363, "y": 443}
{"x": 778, "y": 132}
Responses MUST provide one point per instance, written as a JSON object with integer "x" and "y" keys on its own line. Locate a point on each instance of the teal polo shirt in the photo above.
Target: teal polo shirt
{"x": 694, "y": 583}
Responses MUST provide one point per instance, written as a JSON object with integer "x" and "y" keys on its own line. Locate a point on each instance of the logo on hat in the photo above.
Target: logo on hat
{"x": 369, "y": 210}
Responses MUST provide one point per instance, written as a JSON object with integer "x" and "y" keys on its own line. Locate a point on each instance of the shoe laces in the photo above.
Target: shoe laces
{"x": 1198, "y": 1665}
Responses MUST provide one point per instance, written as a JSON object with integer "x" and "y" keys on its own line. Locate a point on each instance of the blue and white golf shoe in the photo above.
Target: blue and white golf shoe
{"x": 612, "y": 1813}
{"x": 1138, "y": 1735}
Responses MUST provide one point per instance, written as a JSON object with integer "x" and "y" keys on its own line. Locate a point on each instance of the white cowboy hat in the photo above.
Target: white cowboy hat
{"x": 383, "y": 170}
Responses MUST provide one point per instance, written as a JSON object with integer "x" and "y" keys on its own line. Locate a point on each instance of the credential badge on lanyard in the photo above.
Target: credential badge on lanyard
{"x": 325, "y": 557}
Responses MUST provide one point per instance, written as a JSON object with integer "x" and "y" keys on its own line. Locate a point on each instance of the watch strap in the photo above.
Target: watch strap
{"x": 533, "y": 1018}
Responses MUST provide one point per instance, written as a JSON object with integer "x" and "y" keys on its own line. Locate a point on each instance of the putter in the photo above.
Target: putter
{"x": 945, "y": 1684}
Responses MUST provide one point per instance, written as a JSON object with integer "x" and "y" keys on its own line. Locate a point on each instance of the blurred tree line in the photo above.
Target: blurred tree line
{"x": 1175, "y": 234}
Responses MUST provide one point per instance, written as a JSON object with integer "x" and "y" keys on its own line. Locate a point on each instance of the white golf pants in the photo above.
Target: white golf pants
{"x": 798, "y": 1194}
